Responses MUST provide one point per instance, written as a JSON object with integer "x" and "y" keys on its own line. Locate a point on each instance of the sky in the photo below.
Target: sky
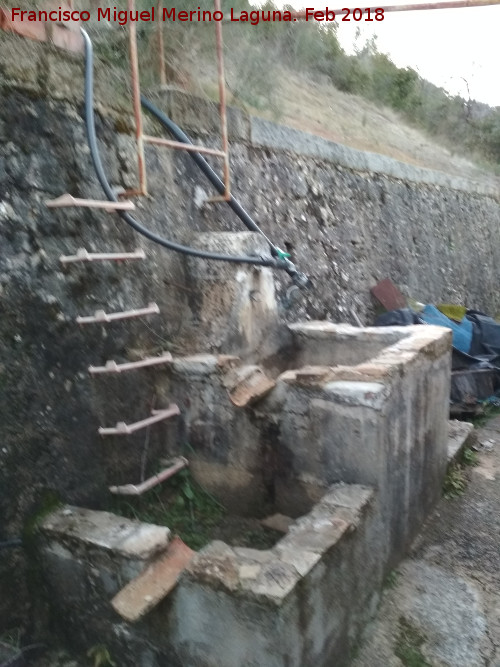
{"x": 444, "y": 46}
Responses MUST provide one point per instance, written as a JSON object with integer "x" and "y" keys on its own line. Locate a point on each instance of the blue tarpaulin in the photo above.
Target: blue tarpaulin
{"x": 462, "y": 333}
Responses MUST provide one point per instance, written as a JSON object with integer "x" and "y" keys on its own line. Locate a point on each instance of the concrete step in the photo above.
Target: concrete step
{"x": 148, "y": 589}
{"x": 92, "y": 530}
{"x": 460, "y": 434}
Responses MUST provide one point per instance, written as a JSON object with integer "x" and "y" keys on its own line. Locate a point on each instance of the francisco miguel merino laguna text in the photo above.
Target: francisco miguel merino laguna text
{"x": 122, "y": 16}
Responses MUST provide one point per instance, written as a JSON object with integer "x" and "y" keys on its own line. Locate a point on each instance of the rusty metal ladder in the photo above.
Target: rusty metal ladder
{"x": 101, "y": 317}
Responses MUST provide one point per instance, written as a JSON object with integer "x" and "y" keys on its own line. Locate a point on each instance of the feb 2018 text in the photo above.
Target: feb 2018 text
{"x": 254, "y": 17}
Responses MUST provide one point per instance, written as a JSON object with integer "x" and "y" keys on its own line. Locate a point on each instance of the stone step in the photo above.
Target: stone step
{"x": 105, "y": 532}
{"x": 148, "y": 589}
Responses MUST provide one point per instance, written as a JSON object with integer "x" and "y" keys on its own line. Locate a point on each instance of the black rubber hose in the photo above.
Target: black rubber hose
{"x": 10, "y": 544}
{"x": 171, "y": 245}
{"x": 233, "y": 203}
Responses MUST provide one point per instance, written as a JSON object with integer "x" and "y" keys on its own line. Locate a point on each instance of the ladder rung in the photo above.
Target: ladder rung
{"x": 139, "y": 489}
{"x": 101, "y": 316}
{"x": 83, "y": 255}
{"x": 68, "y": 200}
{"x": 113, "y": 367}
{"x": 122, "y": 428}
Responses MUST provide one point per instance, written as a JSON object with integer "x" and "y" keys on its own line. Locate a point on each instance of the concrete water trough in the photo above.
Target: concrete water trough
{"x": 349, "y": 442}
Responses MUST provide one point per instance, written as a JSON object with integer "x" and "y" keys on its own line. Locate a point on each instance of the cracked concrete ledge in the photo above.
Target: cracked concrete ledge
{"x": 394, "y": 350}
{"x": 271, "y": 575}
{"x": 104, "y": 531}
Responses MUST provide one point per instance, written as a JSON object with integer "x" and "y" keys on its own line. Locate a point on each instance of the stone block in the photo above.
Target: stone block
{"x": 235, "y": 306}
{"x": 278, "y": 522}
{"x": 107, "y": 532}
{"x": 215, "y": 565}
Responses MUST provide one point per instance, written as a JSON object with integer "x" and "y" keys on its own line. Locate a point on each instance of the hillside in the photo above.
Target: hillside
{"x": 349, "y": 119}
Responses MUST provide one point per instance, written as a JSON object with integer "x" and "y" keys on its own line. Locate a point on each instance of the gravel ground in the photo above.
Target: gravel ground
{"x": 441, "y": 607}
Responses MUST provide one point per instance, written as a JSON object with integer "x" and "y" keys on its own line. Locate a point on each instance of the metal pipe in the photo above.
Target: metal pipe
{"x": 83, "y": 255}
{"x": 127, "y": 429}
{"x": 11, "y": 544}
{"x": 136, "y": 99}
{"x": 185, "y": 147}
{"x": 161, "y": 50}
{"x": 222, "y": 101}
{"x": 138, "y": 489}
{"x": 66, "y": 201}
{"x": 101, "y": 317}
{"x": 113, "y": 367}
{"x": 449, "y": 4}
{"x": 277, "y": 261}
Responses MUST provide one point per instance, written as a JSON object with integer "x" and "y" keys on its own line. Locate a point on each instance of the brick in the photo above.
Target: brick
{"x": 31, "y": 29}
{"x": 148, "y": 589}
{"x": 249, "y": 384}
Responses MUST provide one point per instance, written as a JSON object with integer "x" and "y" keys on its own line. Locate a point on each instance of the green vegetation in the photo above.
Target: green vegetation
{"x": 183, "y": 506}
{"x": 489, "y": 410}
{"x": 195, "y": 515}
{"x": 48, "y": 502}
{"x": 408, "y": 645}
{"x": 11, "y": 638}
{"x": 391, "y": 580}
{"x": 455, "y": 481}
{"x": 258, "y": 56}
{"x": 100, "y": 656}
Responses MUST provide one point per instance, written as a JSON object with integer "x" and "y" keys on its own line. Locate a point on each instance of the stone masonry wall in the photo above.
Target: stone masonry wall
{"x": 349, "y": 219}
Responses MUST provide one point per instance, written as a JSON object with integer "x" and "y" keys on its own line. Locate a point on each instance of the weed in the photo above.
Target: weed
{"x": 454, "y": 483}
{"x": 48, "y": 502}
{"x": 101, "y": 656}
{"x": 195, "y": 515}
{"x": 391, "y": 580}
{"x": 11, "y": 638}
{"x": 489, "y": 410}
{"x": 187, "y": 510}
{"x": 408, "y": 645}
{"x": 469, "y": 457}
